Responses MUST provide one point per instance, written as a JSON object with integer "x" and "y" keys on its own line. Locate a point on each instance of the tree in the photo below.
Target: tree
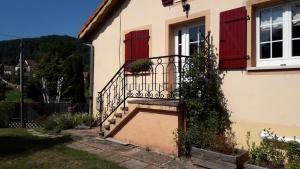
{"x": 50, "y": 71}
{"x": 73, "y": 88}
{"x": 203, "y": 99}
{"x": 2, "y": 90}
{"x": 33, "y": 89}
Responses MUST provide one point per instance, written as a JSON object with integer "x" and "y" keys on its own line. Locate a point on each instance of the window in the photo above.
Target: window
{"x": 278, "y": 35}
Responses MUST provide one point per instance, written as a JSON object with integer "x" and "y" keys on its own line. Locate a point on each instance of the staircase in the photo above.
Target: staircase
{"x": 160, "y": 81}
{"x": 115, "y": 121}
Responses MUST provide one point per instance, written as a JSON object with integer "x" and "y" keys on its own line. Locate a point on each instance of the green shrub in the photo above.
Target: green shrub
{"x": 140, "y": 65}
{"x": 6, "y": 110}
{"x": 293, "y": 151}
{"x": 293, "y": 165}
{"x": 208, "y": 118}
{"x": 274, "y": 153}
{"x": 58, "y": 122}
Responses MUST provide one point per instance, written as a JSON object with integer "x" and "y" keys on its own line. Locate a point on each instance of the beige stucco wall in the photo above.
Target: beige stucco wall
{"x": 151, "y": 128}
{"x": 257, "y": 100}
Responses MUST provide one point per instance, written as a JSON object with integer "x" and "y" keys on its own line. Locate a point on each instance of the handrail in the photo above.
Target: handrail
{"x": 153, "y": 84}
{"x": 123, "y": 66}
{"x": 113, "y": 77}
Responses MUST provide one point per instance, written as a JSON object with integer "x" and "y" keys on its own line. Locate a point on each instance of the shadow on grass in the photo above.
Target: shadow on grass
{"x": 16, "y": 145}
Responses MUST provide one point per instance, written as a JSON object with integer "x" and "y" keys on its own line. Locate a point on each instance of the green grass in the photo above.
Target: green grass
{"x": 13, "y": 95}
{"x": 21, "y": 150}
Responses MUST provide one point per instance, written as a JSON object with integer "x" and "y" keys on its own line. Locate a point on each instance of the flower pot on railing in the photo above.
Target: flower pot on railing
{"x": 138, "y": 66}
{"x": 211, "y": 159}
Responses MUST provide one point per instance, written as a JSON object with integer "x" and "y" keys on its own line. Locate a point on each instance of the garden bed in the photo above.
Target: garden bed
{"x": 211, "y": 159}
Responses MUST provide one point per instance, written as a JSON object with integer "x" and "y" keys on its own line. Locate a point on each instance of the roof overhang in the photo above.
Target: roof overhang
{"x": 97, "y": 18}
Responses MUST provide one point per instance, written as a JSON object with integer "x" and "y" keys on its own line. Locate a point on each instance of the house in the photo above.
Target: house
{"x": 257, "y": 42}
{"x": 7, "y": 71}
{"x": 29, "y": 66}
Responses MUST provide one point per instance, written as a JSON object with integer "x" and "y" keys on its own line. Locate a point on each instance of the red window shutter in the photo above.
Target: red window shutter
{"x": 140, "y": 44}
{"x": 128, "y": 47}
{"x": 233, "y": 39}
{"x": 167, "y": 2}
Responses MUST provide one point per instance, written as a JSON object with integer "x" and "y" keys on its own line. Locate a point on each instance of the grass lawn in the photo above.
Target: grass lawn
{"x": 21, "y": 150}
{"x": 13, "y": 95}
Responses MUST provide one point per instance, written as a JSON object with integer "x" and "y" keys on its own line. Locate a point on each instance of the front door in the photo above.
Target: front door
{"x": 188, "y": 39}
{"x": 187, "y": 42}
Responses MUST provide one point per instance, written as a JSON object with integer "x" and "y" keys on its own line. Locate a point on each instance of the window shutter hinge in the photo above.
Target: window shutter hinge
{"x": 248, "y": 18}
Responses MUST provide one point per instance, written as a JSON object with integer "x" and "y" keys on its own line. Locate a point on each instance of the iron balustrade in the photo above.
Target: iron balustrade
{"x": 161, "y": 81}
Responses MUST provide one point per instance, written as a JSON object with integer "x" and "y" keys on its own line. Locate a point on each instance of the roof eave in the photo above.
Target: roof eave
{"x": 96, "y": 18}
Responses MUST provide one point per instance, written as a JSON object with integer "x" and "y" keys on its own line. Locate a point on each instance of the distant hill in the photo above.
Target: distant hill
{"x": 64, "y": 46}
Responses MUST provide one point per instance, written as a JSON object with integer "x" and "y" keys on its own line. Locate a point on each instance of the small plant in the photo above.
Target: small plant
{"x": 183, "y": 141}
{"x": 140, "y": 65}
{"x": 225, "y": 143}
{"x": 148, "y": 149}
{"x": 66, "y": 121}
{"x": 274, "y": 153}
{"x": 293, "y": 165}
{"x": 293, "y": 151}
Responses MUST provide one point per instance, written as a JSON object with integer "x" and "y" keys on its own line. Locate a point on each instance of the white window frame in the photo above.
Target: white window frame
{"x": 287, "y": 59}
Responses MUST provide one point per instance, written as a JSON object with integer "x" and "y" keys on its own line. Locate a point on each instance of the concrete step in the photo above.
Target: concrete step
{"x": 124, "y": 108}
{"x": 101, "y": 133}
{"x": 107, "y": 127}
{"x": 119, "y": 115}
{"x": 112, "y": 121}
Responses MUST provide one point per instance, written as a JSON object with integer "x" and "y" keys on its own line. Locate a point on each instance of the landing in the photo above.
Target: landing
{"x": 160, "y": 102}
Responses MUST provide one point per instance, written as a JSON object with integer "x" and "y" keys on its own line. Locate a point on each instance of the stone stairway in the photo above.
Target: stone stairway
{"x": 114, "y": 122}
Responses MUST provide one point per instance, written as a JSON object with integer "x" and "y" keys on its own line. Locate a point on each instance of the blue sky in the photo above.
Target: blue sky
{"x": 33, "y": 18}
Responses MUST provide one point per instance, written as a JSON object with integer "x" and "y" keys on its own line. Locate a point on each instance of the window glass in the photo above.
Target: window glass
{"x": 193, "y": 32}
{"x": 296, "y": 29}
{"x": 193, "y": 48}
{"x": 265, "y": 51}
{"x": 277, "y": 50}
{"x": 265, "y": 17}
{"x": 277, "y": 14}
{"x": 265, "y": 34}
{"x": 277, "y": 32}
{"x": 296, "y": 47}
{"x": 296, "y": 11}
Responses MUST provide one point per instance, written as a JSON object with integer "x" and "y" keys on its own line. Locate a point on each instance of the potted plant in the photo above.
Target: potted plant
{"x": 141, "y": 65}
{"x": 220, "y": 154}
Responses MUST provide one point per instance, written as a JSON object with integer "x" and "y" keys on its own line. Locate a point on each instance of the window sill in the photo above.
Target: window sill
{"x": 272, "y": 68}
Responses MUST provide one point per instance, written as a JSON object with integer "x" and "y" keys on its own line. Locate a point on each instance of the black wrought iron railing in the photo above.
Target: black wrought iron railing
{"x": 161, "y": 80}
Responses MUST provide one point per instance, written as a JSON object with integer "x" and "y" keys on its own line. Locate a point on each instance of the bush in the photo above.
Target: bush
{"x": 293, "y": 151}
{"x": 140, "y": 65}
{"x": 208, "y": 118}
{"x": 60, "y": 122}
{"x": 293, "y": 165}
{"x": 6, "y": 110}
{"x": 268, "y": 153}
{"x": 274, "y": 153}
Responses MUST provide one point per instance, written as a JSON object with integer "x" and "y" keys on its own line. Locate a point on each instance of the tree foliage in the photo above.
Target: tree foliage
{"x": 204, "y": 101}
{"x": 63, "y": 46}
{"x": 2, "y": 90}
{"x": 57, "y": 57}
{"x": 73, "y": 88}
